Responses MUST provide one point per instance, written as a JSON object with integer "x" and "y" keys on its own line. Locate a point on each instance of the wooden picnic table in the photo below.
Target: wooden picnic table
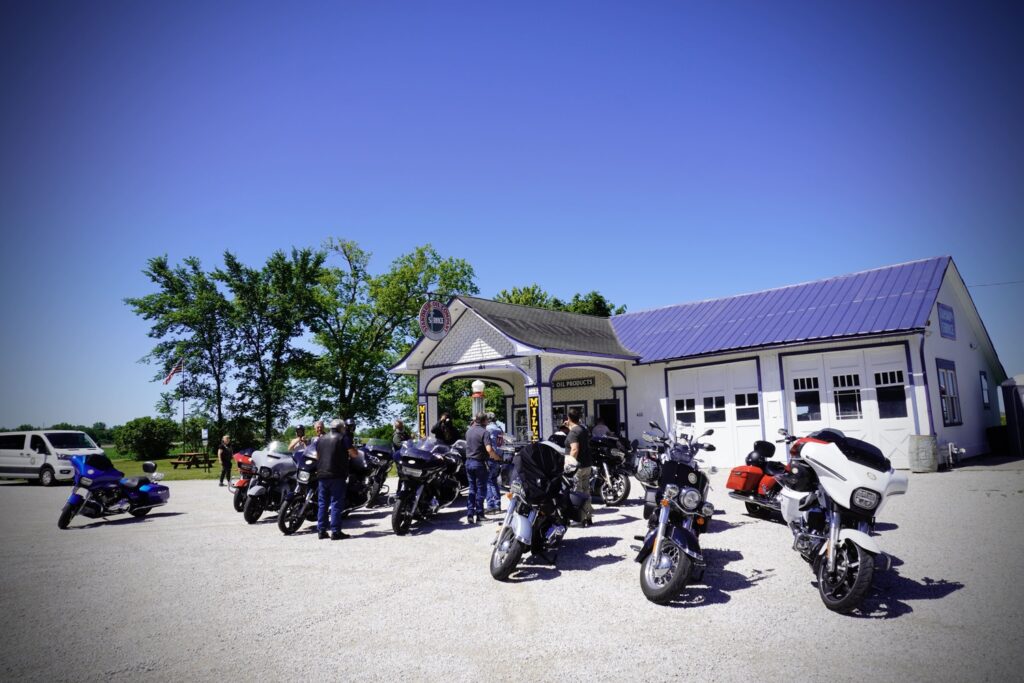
{"x": 190, "y": 460}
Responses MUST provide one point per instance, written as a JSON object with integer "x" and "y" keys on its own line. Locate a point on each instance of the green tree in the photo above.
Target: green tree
{"x": 191, "y": 319}
{"x": 146, "y": 438}
{"x": 365, "y": 322}
{"x": 267, "y": 310}
{"x": 591, "y": 303}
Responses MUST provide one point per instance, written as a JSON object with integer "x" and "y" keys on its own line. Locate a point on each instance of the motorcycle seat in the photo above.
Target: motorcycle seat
{"x": 134, "y": 482}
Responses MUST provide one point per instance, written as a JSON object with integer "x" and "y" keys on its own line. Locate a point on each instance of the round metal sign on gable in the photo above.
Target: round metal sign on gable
{"x": 435, "y": 320}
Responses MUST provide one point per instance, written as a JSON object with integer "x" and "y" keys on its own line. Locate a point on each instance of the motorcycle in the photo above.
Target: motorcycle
{"x": 427, "y": 481}
{"x": 99, "y": 490}
{"x": 365, "y": 484}
{"x": 275, "y": 470}
{"x": 677, "y": 512}
{"x": 246, "y": 470}
{"x": 542, "y": 503}
{"x": 830, "y": 498}
{"x": 610, "y": 474}
{"x": 757, "y": 482}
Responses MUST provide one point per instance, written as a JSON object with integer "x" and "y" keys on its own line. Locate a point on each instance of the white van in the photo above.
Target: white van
{"x": 43, "y": 455}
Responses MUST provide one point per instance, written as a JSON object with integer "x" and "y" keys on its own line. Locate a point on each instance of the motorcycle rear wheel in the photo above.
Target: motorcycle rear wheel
{"x": 253, "y": 509}
{"x": 503, "y": 563}
{"x": 401, "y": 515}
{"x": 239, "y": 499}
{"x": 290, "y": 516}
{"x": 661, "y": 585}
{"x": 616, "y": 490}
{"x": 844, "y": 590}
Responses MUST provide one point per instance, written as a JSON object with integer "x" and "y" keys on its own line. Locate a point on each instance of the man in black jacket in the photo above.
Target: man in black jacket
{"x": 334, "y": 450}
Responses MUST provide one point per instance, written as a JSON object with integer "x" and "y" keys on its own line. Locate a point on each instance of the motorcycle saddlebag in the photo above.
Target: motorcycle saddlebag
{"x": 744, "y": 478}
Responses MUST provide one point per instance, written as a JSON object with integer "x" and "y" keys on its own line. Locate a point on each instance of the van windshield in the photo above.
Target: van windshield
{"x": 70, "y": 440}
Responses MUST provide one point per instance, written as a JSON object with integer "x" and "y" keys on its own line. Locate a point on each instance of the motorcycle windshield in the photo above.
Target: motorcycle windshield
{"x": 423, "y": 448}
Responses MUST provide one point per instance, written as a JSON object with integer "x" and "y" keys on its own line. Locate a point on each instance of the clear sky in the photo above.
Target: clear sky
{"x": 656, "y": 152}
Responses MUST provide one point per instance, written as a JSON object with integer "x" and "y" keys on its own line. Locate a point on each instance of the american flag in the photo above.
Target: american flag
{"x": 174, "y": 371}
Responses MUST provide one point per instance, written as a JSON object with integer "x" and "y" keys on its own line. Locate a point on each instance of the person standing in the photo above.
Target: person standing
{"x": 478, "y": 451}
{"x": 600, "y": 429}
{"x": 494, "y": 465}
{"x": 333, "y": 454}
{"x": 578, "y": 441}
{"x": 400, "y": 436}
{"x": 444, "y": 430}
{"x": 224, "y": 455}
{"x": 299, "y": 443}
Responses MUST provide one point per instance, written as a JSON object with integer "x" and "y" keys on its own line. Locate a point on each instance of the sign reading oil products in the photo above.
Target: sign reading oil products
{"x": 534, "y": 404}
{"x": 422, "y": 411}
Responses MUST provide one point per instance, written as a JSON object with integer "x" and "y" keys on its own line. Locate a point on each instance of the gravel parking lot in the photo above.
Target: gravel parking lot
{"x": 192, "y": 592}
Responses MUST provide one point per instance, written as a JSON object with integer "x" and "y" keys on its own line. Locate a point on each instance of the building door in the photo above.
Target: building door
{"x": 608, "y": 412}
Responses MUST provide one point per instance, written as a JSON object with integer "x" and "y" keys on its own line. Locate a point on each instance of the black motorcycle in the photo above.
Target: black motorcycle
{"x": 610, "y": 474}
{"x": 542, "y": 503}
{"x": 677, "y": 512}
{"x": 428, "y": 480}
{"x": 365, "y": 484}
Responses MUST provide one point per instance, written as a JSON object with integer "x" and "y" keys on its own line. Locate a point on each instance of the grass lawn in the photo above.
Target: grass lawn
{"x": 133, "y": 468}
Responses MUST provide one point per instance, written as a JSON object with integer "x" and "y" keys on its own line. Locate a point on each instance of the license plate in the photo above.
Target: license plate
{"x": 414, "y": 472}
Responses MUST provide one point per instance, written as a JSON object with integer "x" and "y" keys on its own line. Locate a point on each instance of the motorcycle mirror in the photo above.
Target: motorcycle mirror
{"x": 782, "y": 432}
{"x": 654, "y": 425}
{"x": 709, "y": 447}
{"x": 708, "y": 433}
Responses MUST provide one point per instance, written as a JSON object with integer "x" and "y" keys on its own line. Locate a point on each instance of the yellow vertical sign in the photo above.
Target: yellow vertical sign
{"x": 423, "y": 420}
{"x": 534, "y": 403}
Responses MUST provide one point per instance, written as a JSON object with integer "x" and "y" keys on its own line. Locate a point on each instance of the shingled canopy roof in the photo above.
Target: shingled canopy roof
{"x": 551, "y": 331}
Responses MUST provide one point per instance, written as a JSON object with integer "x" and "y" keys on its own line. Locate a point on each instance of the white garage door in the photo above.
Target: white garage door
{"x": 863, "y": 393}
{"x": 720, "y": 397}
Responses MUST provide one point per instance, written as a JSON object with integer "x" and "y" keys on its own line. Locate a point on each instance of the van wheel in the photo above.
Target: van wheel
{"x": 46, "y": 477}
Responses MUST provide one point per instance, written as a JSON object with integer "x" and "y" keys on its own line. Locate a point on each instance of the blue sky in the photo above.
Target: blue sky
{"x": 656, "y": 152}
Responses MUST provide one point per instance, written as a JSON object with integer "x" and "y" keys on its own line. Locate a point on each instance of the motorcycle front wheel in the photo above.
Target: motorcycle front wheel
{"x": 401, "y": 515}
{"x": 139, "y": 512}
{"x": 616, "y": 490}
{"x": 663, "y": 577}
{"x": 290, "y": 516}
{"x": 506, "y": 554}
{"x": 253, "y": 509}
{"x": 844, "y": 590}
{"x": 239, "y": 499}
{"x": 68, "y": 513}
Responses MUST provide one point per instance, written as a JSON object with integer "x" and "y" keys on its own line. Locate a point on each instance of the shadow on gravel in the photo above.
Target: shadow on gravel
{"x": 624, "y": 519}
{"x": 718, "y": 582}
{"x": 126, "y": 520}
{"x": 572, "y": 556}
{"x": 718, "y": 525}
{"x": 891, "y": 591}
{"x": 886, "y": 526}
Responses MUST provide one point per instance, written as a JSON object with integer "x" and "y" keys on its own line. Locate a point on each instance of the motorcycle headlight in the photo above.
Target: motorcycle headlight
{"x": 304, "y": 477}
{"x": 265, "y": 473}
{"x": 865, "y": 499}
{"x": 671, "y": 491}
{"x": 707, "y": 509}
{"x": 689, "y": 499}
{"x": 85, "y": 481}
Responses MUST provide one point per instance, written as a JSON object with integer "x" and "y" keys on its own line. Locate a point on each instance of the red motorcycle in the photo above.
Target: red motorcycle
{"x": 246, "y": 471}
{"x": 756, "y": 483}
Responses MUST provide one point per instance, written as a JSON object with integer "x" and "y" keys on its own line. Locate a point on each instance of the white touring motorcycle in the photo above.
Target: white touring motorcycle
{"x": 831, "y": 495}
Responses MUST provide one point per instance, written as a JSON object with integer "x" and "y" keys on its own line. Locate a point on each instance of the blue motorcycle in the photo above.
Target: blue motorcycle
{"x": 100, "y": 490}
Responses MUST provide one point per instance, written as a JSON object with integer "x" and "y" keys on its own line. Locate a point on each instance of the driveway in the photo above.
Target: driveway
{"x": 192, "y": 592}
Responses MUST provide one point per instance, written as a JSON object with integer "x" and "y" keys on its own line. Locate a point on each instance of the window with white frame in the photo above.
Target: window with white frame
{"x": 686, "y": 410}
{"x": 891, "y": 394}
{"x": 747, "y": 407}
{"x": 949, "y": 393}
{"x": 986, "y": 402}
{"x": 807, "y": 399}
{"x": 714, "y": 409}
{"x": 846, "y": 395}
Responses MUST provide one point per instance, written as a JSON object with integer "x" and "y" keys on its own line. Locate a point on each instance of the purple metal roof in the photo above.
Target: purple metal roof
{"x": 890, "y": 299}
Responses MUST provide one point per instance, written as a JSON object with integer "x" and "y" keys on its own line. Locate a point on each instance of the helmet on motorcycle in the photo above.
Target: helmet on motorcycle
{"x": 648, "y": 470}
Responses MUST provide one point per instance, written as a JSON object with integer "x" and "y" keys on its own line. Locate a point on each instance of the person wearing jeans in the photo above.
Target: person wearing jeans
{"x": 494, "y": 466}
{"x": 478, "y": 451}
{"x": 333, "y": 451}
